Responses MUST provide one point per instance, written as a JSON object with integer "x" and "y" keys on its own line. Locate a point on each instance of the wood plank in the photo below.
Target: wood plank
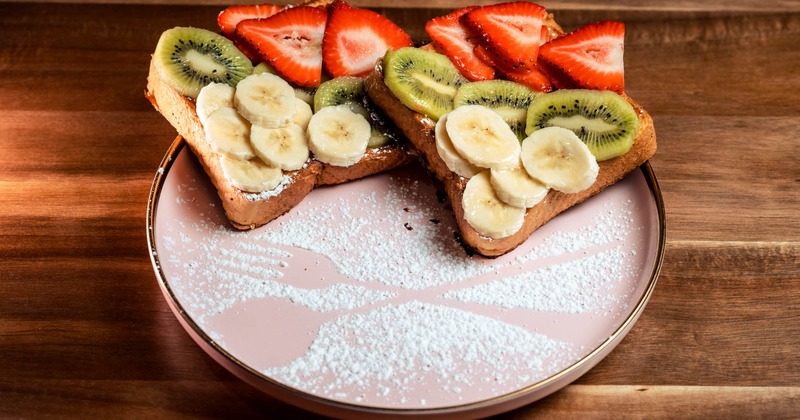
{"x": 721, "y": 315}
{"x": 643, "y": 401}
{"x": 643, "y": 5}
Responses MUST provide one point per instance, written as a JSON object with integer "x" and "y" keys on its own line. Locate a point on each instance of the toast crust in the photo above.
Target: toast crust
{"x": 247, "y": 210}
{"x": 420, "y": 132}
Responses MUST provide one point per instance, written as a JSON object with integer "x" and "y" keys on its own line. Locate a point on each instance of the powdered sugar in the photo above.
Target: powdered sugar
{"x": 417, "y": 344}
{"x": 383, "y": 305}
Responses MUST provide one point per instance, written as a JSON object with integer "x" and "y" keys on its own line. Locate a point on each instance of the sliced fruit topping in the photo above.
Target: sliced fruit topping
{"x": 212, "y": 97}
{"x": 592, "y": 56}
{"x": 231, "y": 16}
{"x": 229, "y": 134}
{"x": 516, "y": 188}
{"x": 304, "y": 93}
{"x": 346, "y": 90}
{"x": 338, "y": 136}
{"x": 534, "y": 78}
{"x": 482, "y": 137}
{"x": 190, "y": 58}
{"x": 448, "y": 153}
{"x": 290, "y": 41}
{"x": 559, "y": 159}
{"x": 424, "y": 81}
{"x": 486, "y": 213}
{"x": 452, "y": 39}
{"x": 349, "y": 91}
{"x": 265, "y": 99}
{"x": 510, "y": 32}
{"x": 285, "y": 148}
{"x": 510, "y": 100}
{"x": 355, "y": 39}
{"x": 303, "y": 114}
{"x": 251, "y": 175}
{"x": 605, "y": 121}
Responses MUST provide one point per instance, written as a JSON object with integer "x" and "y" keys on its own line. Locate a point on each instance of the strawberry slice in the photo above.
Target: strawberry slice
{"x": 591, "y": 56}
{"x": 510, "y": 32}
{"x": 534, "y": 78}
{"x": 230, "y": 17}
{"x": 452, "y": 39}
{"x": 290, "y": 41}
{"x": 355, "y": 39}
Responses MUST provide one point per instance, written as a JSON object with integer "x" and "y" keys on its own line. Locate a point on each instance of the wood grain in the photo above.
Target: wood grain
{"x": 85, "y": 331}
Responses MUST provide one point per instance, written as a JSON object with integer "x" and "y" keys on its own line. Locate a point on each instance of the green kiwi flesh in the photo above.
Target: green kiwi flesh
{"x": 424, "y": 81}
{"x": 349, "y": 90}
{"x": 509, "y": 99}
{"x": 191, "y": 58}
{"x": 604, "y": 120}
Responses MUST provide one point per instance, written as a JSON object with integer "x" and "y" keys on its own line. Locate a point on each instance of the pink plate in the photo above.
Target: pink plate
{"x": 361, "y": 301}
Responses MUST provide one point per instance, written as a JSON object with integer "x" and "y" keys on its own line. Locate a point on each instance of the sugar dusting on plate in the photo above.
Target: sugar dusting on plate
{"x": 406, "y": 319}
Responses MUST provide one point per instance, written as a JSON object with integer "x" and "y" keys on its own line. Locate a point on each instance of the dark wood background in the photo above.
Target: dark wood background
{"x": 85, "y": 331}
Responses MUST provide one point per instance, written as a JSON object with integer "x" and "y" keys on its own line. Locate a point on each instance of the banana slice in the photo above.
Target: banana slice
{"x": 251, "y": 175}
{"x": 516, "y": 188}
{"x": 338, "y": 136}
{"x": 229, "y": 134}
{"x": 484, "y": 211}
{"x": 303, "y": 114}
{"x": 284, "y": 147}
{"x": 212, "y": 97}
{"x": 266, "y": 100}
{"x": 448, "y": 153}
{"x": 481, "y": 136}
{"x": 558, "y": 158}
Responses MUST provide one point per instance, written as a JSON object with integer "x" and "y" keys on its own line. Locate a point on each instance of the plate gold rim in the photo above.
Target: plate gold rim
{"x": 330, "y": 407}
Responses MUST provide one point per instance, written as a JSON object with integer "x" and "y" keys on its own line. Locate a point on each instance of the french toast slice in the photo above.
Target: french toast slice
{"x": 247, "y": 210}
{"x": 419, "y": 130}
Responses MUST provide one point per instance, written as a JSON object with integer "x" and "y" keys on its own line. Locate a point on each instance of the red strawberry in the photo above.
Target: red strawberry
{"x": 290, "y": 41}
{"x": 230, "y": 17}
{"x": 591, "y": 56}
{"x": 451, "y": 38}
{"x": 534, "y": 78}
{"x": 356, "y": 38}
{"x": 510, "y": 32}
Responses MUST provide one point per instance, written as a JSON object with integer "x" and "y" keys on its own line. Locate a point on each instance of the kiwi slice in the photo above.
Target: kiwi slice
{"x": 190, "y": 58}
{"x": 424, "y": 81}
{"x": 509, "y": 99}
{"x": 349, "y": 90}
{"x": 605, "y": 121}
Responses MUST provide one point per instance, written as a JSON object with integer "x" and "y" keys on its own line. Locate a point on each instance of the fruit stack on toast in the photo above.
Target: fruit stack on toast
{"x": 274, "y": 104}
{"x": 516, "y": 118}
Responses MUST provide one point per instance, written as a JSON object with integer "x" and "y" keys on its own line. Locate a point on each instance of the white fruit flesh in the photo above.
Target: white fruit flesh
{"x": 448, "y": 153}
{"x": 482, "y": 137}
{"x": 558, "y": 158}
{"x": 229, "y": 134}
{"x": 212, "y": 97}
{"x": 516, "y": 188}
{"x": 265, "y": 99}
{"x": 486, "y": 213}
{"x": 303, "y": 114}
{"x": 338, "y": 136}
{"x": 251, "y": 175}
{"x": 285, "y": 147}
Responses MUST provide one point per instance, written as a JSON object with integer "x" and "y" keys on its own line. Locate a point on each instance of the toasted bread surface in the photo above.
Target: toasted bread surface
{"x": 420, "y": 132}
{"x": 247, "y": 210}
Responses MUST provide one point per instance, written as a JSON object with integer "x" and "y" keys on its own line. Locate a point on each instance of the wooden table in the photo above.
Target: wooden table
{"x": 85, "y": 331}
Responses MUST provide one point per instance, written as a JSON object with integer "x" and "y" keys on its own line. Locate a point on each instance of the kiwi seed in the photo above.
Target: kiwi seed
{"x": 424, "y": 81}
{"x": 191, "y": 58}
{"x": 604, "y": 120}
{"x": 509, "y": 99}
